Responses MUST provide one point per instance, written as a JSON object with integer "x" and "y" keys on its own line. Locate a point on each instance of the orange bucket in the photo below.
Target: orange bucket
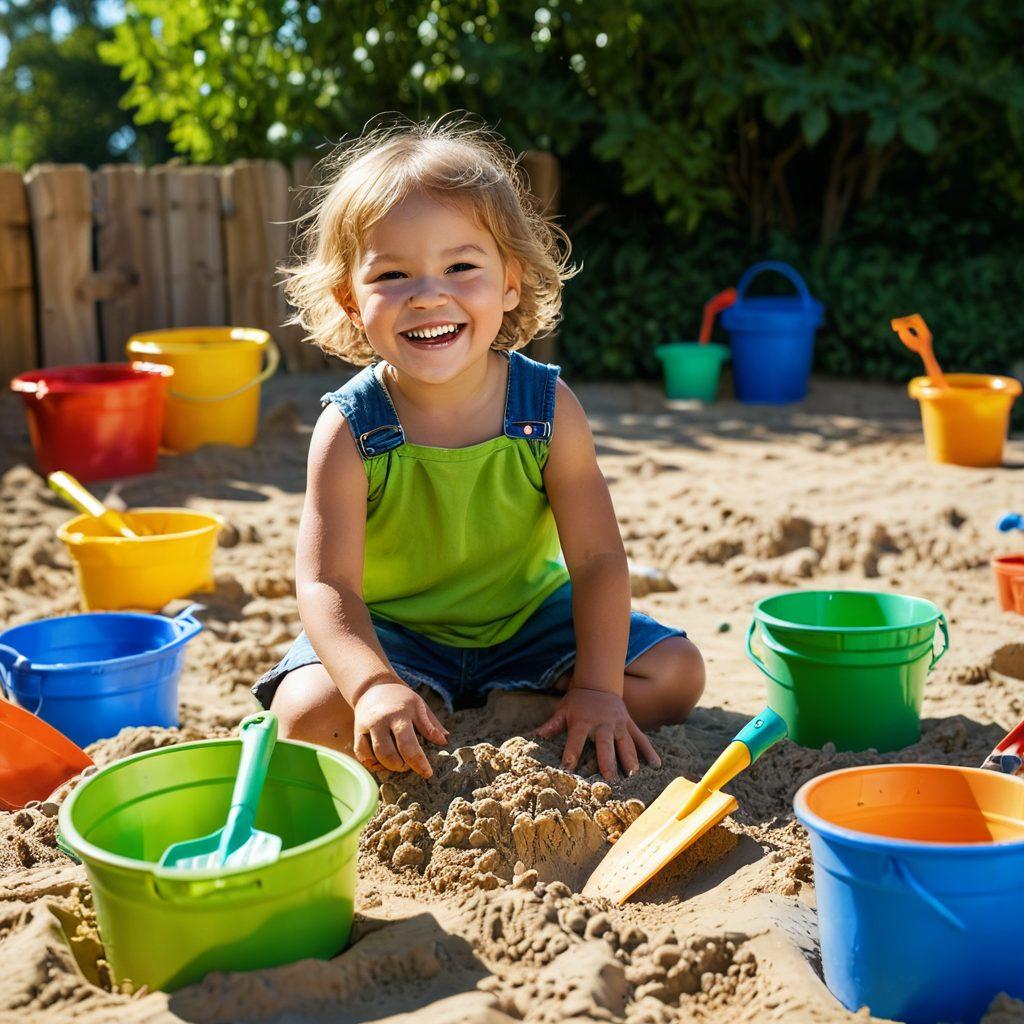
{"x": 965, "y": 423}
{"x": 1009, "y": 572}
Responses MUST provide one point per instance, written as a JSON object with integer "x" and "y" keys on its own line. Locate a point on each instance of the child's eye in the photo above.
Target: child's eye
{"x": 459, "y": 267}
{"x": 390, "y": 275}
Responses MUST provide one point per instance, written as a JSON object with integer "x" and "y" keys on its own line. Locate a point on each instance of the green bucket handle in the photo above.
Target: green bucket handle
{"x": 750, "y": 650}
{"x": 906, "y": 876}
{"x": 169, "y": 885}
{"x": 273, "y": 361}
{"x": 944, "y": 626}
{"x": 62, "y": 845}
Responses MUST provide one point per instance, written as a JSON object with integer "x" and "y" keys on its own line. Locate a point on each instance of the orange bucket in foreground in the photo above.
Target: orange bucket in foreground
{"x": 966, "y": 423}
{"x": 1009, "y": 573}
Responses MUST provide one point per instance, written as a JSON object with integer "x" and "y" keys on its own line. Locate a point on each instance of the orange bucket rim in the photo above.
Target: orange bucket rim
{"x": 857, "y": 838}
{"x": 965, "y": 384}
{"x": 1002, "y": 562}
{"x": 67, "y": 533}
{"x": 183, "y": 340}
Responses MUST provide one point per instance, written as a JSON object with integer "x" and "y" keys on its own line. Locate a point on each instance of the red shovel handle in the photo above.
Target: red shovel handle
{"x": 714, "y": 306}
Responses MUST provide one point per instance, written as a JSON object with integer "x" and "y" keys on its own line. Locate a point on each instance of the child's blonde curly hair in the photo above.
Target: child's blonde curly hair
{"x": 451, "y": 158}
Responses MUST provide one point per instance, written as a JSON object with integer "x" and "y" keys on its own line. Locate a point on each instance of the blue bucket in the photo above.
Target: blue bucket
{"x": 772, "y": 339}
{"x": 91, "y": 675}
{"x": 919, "y": 879}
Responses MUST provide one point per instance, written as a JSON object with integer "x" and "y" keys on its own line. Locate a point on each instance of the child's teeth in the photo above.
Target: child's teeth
{"x": 434, "y": 332}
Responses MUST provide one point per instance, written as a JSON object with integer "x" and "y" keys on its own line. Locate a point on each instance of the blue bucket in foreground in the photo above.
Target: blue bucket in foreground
{"x": 919, "y": 879}
{"x": 772, "y": 339}
{"x": 92, "y": 675}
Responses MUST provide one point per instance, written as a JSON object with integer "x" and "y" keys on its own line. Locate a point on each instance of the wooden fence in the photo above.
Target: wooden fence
{"x": 89, "y": 258}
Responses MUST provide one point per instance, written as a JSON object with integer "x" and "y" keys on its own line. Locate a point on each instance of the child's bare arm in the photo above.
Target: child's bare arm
{"x": 596, "y": 560}
{"x": 329, "y": 585}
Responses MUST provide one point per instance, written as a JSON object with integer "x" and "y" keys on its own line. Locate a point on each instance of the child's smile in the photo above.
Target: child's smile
{"x": 430, "y": 289}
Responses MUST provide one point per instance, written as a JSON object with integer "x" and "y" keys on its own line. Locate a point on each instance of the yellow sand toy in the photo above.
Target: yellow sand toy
{"x": 681, "y": 814}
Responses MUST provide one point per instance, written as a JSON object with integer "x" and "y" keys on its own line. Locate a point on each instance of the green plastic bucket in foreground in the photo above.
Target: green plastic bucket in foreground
{"x": 845, "y": 666}
{"x": 166, "y": 928}
{"x": 692, "y": 369}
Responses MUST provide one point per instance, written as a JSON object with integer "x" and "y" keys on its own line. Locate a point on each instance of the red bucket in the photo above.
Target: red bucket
{"x": 95, "y": 421}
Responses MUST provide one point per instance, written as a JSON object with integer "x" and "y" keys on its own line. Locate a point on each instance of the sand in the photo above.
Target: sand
{"x": 468, "y": 906}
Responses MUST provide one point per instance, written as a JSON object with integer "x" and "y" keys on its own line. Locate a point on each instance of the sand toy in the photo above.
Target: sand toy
{"x": 919, "y": 882}
{"x": 78, "y": 497}
{"x": 96, "y": 421}
{"x": 692, "y": 371}
{"x": 1009, "y": 574}
{"x": 34, "y": 757}
{"x": 167, "y": 928}
{"x": 681, "y": 815}
{"x": 215, "y": 397}
{"x": 1008, "y": 755}
{"x": 172, "y": 557}
{"x": 965, "y": 416}
{"x": 92, "y": 675}
{"x": 1011, "y": 521}
{"x": 237, "y": 844}
{"x": 847, "y": 666}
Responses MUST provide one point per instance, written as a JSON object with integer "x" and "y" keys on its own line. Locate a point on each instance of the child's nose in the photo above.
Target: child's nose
{"x": 428, "y": 294}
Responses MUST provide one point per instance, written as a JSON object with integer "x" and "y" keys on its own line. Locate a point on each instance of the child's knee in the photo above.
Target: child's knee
{"x": 310, "y": 708}
{"x": 685, "y": 677}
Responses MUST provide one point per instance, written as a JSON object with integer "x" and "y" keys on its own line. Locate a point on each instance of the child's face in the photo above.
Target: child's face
{"x": 427, "y": 266}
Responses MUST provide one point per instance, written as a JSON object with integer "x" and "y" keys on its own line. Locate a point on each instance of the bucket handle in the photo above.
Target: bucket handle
{"x": 750, "y": 650}
{"x": 172, "y": 888}
{"x": 943, "y": 625}
{"x": 779, "y": 267}
{"x": 273, "y": 354}
{"x": 187, "y": 624}
{"x": 62, "y": 845}
{"x": 10, "y": 659}
{"x": 906, "y": 876}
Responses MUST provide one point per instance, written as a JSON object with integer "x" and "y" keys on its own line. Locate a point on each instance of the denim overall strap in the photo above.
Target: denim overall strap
{"x": 530, "y": 406}
{"x": 367, "y": 408}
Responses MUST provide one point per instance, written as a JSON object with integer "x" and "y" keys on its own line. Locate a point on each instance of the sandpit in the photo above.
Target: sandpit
{"x": 468, "y": 906}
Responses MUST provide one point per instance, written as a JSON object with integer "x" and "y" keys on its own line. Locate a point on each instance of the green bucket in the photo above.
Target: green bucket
{"x": 847, "y": 666}
{"x": 692, "y": 369}
{"x": 167, "y": 928}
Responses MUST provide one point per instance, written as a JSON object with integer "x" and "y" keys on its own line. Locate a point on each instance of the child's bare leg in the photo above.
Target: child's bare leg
{"x": 663, "y": 685}
{"x": 310, "y": 707}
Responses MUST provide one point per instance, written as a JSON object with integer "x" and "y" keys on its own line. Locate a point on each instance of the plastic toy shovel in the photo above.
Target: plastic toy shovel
{"x": 681, "y": 814}
{"x": 714, "y": 306}
{"x": 78, "y": 497}
{"x": 1008, "y": 756}
{"x": 914, "y": 333}
{"x": 237, "y": 844}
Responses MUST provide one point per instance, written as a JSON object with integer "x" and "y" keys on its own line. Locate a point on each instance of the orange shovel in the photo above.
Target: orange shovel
{"x": 914, "y": 333}
{"x": 34, "y": 757}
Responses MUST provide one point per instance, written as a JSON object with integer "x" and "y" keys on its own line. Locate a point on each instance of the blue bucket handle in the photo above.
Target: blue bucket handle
{"x": 944, "y": 626}
{"x": 186, "y": 623}
{"x": 906, "y": 876}
{"x": 779, "y": 267}
{"x": 10, "y": 659}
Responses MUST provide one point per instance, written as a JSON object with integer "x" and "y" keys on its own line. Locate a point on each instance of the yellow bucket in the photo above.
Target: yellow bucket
{"x": 215, "y": 397}
{"x": 966, "y": 423}
{"x": 174, "y": 559}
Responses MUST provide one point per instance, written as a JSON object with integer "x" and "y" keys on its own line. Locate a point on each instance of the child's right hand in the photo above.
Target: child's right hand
{"x": 387, "y": 718}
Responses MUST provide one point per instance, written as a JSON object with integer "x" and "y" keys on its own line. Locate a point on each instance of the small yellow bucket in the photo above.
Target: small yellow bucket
{"x": 215, "y": 397}
{"x": 966, "y": 423}
{"x": 173, "y": 559}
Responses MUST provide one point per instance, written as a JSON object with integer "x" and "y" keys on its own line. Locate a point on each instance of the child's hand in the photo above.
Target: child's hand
{"x": 387, "y": 717}
{"x": 596, "y": 714}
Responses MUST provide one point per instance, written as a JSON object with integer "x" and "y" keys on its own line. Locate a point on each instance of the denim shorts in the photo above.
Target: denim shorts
{"x": 533, "y": 660}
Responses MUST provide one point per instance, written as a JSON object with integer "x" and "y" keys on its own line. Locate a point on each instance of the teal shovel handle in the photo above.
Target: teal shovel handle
{"x": 944, "y": 626}
{"x": 763, "y": 731}
{"x": 259, "y": 735}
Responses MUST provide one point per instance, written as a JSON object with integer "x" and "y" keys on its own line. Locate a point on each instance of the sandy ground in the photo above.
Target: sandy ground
{"x": 468, "y": 906}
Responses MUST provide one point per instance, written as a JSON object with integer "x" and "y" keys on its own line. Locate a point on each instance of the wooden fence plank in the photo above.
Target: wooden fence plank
{"x": 256, "y": 237}
{"x": 130, "y": 256}
{"x": 18, "y": 349}
{"x": 542, "y": 170}
{"x": 189, "y": 205}
{"x": 60, "y": 200}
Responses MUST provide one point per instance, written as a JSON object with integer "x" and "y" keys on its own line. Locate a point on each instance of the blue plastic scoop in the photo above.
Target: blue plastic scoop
{"x": 237, "y": 844}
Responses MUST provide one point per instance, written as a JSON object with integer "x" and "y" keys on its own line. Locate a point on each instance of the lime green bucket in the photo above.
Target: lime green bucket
{"x": 847, "y": 666}
{"x": 166, "y": 928}
{"x": 692, "y": 369}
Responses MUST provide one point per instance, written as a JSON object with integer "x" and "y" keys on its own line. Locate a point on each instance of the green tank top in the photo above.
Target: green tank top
{"x": 461, "y": 543}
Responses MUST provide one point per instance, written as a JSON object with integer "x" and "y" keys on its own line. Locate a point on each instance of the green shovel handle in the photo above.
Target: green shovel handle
{"x": 763, "y": 731}
{"x": 259, "y": 735}
{"x": 944, "y": 626}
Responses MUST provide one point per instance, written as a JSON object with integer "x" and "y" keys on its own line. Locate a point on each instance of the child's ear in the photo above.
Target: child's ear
{"x": 513, "y": 284}
{"x": 344, "y": 299}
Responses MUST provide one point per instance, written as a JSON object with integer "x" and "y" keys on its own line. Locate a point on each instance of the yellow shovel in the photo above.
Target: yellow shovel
{"x": 681, "y": 815}
{"x": 78, "y": 497}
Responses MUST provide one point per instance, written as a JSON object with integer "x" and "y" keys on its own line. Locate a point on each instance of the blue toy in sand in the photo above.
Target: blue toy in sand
{"x": 772, "y": 338}
{"x": 1011, "y": 521}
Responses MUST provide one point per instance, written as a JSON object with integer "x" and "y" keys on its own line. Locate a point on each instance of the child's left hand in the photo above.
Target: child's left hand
{"x": 601, "y": 716}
